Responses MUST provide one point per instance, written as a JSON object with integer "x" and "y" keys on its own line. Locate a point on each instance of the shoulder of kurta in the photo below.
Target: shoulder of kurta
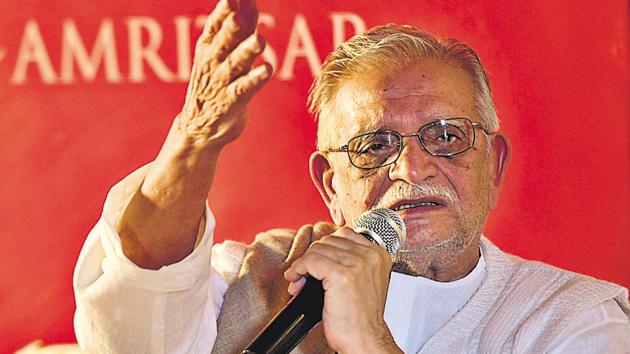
{"x": 544, "y": 283}
{"x": 542, "y": 300}
{"x": 560, "y": 285}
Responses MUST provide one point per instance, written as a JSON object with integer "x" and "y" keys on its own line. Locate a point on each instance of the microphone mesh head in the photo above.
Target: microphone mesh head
{"x": 387, "y": 225}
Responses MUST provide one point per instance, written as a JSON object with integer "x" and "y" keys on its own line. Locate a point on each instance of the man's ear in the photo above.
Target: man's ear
{"x": 500, "y": 153}
{"x": 322, "y": 176}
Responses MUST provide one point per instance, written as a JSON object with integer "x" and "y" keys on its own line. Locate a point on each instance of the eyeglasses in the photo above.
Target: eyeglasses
{"x": 444, "y": 137}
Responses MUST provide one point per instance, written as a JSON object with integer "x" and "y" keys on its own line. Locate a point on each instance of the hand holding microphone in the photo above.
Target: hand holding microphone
{"x": 353, "y": 275}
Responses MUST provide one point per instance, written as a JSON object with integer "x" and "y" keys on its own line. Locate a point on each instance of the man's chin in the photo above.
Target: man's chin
{"x": 427, "y": 233}
{"x": 428, "y": 249}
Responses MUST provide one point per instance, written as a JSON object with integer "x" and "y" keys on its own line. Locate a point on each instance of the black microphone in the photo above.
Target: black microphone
{"x": 293, "y": 322}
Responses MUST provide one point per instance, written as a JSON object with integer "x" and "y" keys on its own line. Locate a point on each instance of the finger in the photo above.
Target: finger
{"x": 365, "y": 252}
{"x": 299, "y": 268}
{"x": 248, "y": 10}
{"x": 321, "y": 229}
{"x": 350, "y": 234}
{"x": 241, "y": 90}
{"x": 315, "y": 265}
{"x": 300, "y": 243}
{"x": 344, "y": 252}
{"x": 240, "y": 59}
{"x": 292, "y": 275}
{"x": 296, "y": 286}
{"x": 318, "y": 253}
{"x": 225, "y": 39}
{"x": 236, "y": 27}
{"x": 245, "y": 86}
{"x": 343, "y": 243}
{"x": 216, "y": 18}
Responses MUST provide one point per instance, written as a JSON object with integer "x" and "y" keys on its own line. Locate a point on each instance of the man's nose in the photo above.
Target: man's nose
{"x": 414, "y": 165}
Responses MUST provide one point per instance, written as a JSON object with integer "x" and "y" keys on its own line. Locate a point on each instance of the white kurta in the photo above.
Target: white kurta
{"x": 122, "y": 308}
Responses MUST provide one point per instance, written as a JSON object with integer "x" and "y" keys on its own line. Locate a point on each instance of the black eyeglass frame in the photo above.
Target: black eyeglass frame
{"x": 345, "y": 148}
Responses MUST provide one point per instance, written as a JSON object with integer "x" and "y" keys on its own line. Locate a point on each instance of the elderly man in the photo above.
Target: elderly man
{"x": 406, "y": 122}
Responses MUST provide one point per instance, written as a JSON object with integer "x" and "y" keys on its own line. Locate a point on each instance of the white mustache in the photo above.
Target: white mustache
{"x": 402, "y": 190}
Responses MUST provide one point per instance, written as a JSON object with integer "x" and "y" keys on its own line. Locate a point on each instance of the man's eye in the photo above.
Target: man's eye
{"x": 448, "y": 138}
{"x": 372, "y": 146}
{"x": 376, "y": 148}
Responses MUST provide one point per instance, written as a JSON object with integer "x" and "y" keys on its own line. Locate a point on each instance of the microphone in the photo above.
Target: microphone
{"x": 293, "y": 322}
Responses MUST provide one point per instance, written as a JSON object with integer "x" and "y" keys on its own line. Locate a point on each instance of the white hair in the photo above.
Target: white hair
{"x": 393, "y": 47}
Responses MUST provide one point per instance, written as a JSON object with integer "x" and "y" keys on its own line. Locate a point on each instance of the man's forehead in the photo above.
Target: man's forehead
{"x": 362, "y": 95}
{"x": 423, "y": 93}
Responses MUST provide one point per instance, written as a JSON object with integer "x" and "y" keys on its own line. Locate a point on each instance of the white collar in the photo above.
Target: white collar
{"x": 417, "y": 307}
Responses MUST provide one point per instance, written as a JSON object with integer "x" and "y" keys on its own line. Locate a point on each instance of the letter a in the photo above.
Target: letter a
{"x": 33, "y": 50}
{"x": 300, "y": 44}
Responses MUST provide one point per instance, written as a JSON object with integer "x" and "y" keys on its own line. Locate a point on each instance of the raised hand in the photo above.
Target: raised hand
{"x": 223, "y": 79}
{"x": 165, "y": 217}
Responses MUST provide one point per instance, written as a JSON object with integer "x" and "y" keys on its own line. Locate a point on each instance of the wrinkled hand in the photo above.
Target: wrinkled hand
{"x": 223, "y": 79}
{"x": 355, "y": 276}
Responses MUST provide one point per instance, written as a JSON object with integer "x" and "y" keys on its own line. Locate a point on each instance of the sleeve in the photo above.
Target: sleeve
{"x": 604, "y": 328}
{"x": 122, "y": 308}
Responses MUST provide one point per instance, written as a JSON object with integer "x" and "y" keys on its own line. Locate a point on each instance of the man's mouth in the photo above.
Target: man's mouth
{"x": 420, "y": 203}
{"x": 415, "y": 205}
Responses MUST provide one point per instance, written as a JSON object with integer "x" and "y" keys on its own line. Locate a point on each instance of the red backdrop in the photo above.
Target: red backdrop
{"x": 88, "y": 90}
